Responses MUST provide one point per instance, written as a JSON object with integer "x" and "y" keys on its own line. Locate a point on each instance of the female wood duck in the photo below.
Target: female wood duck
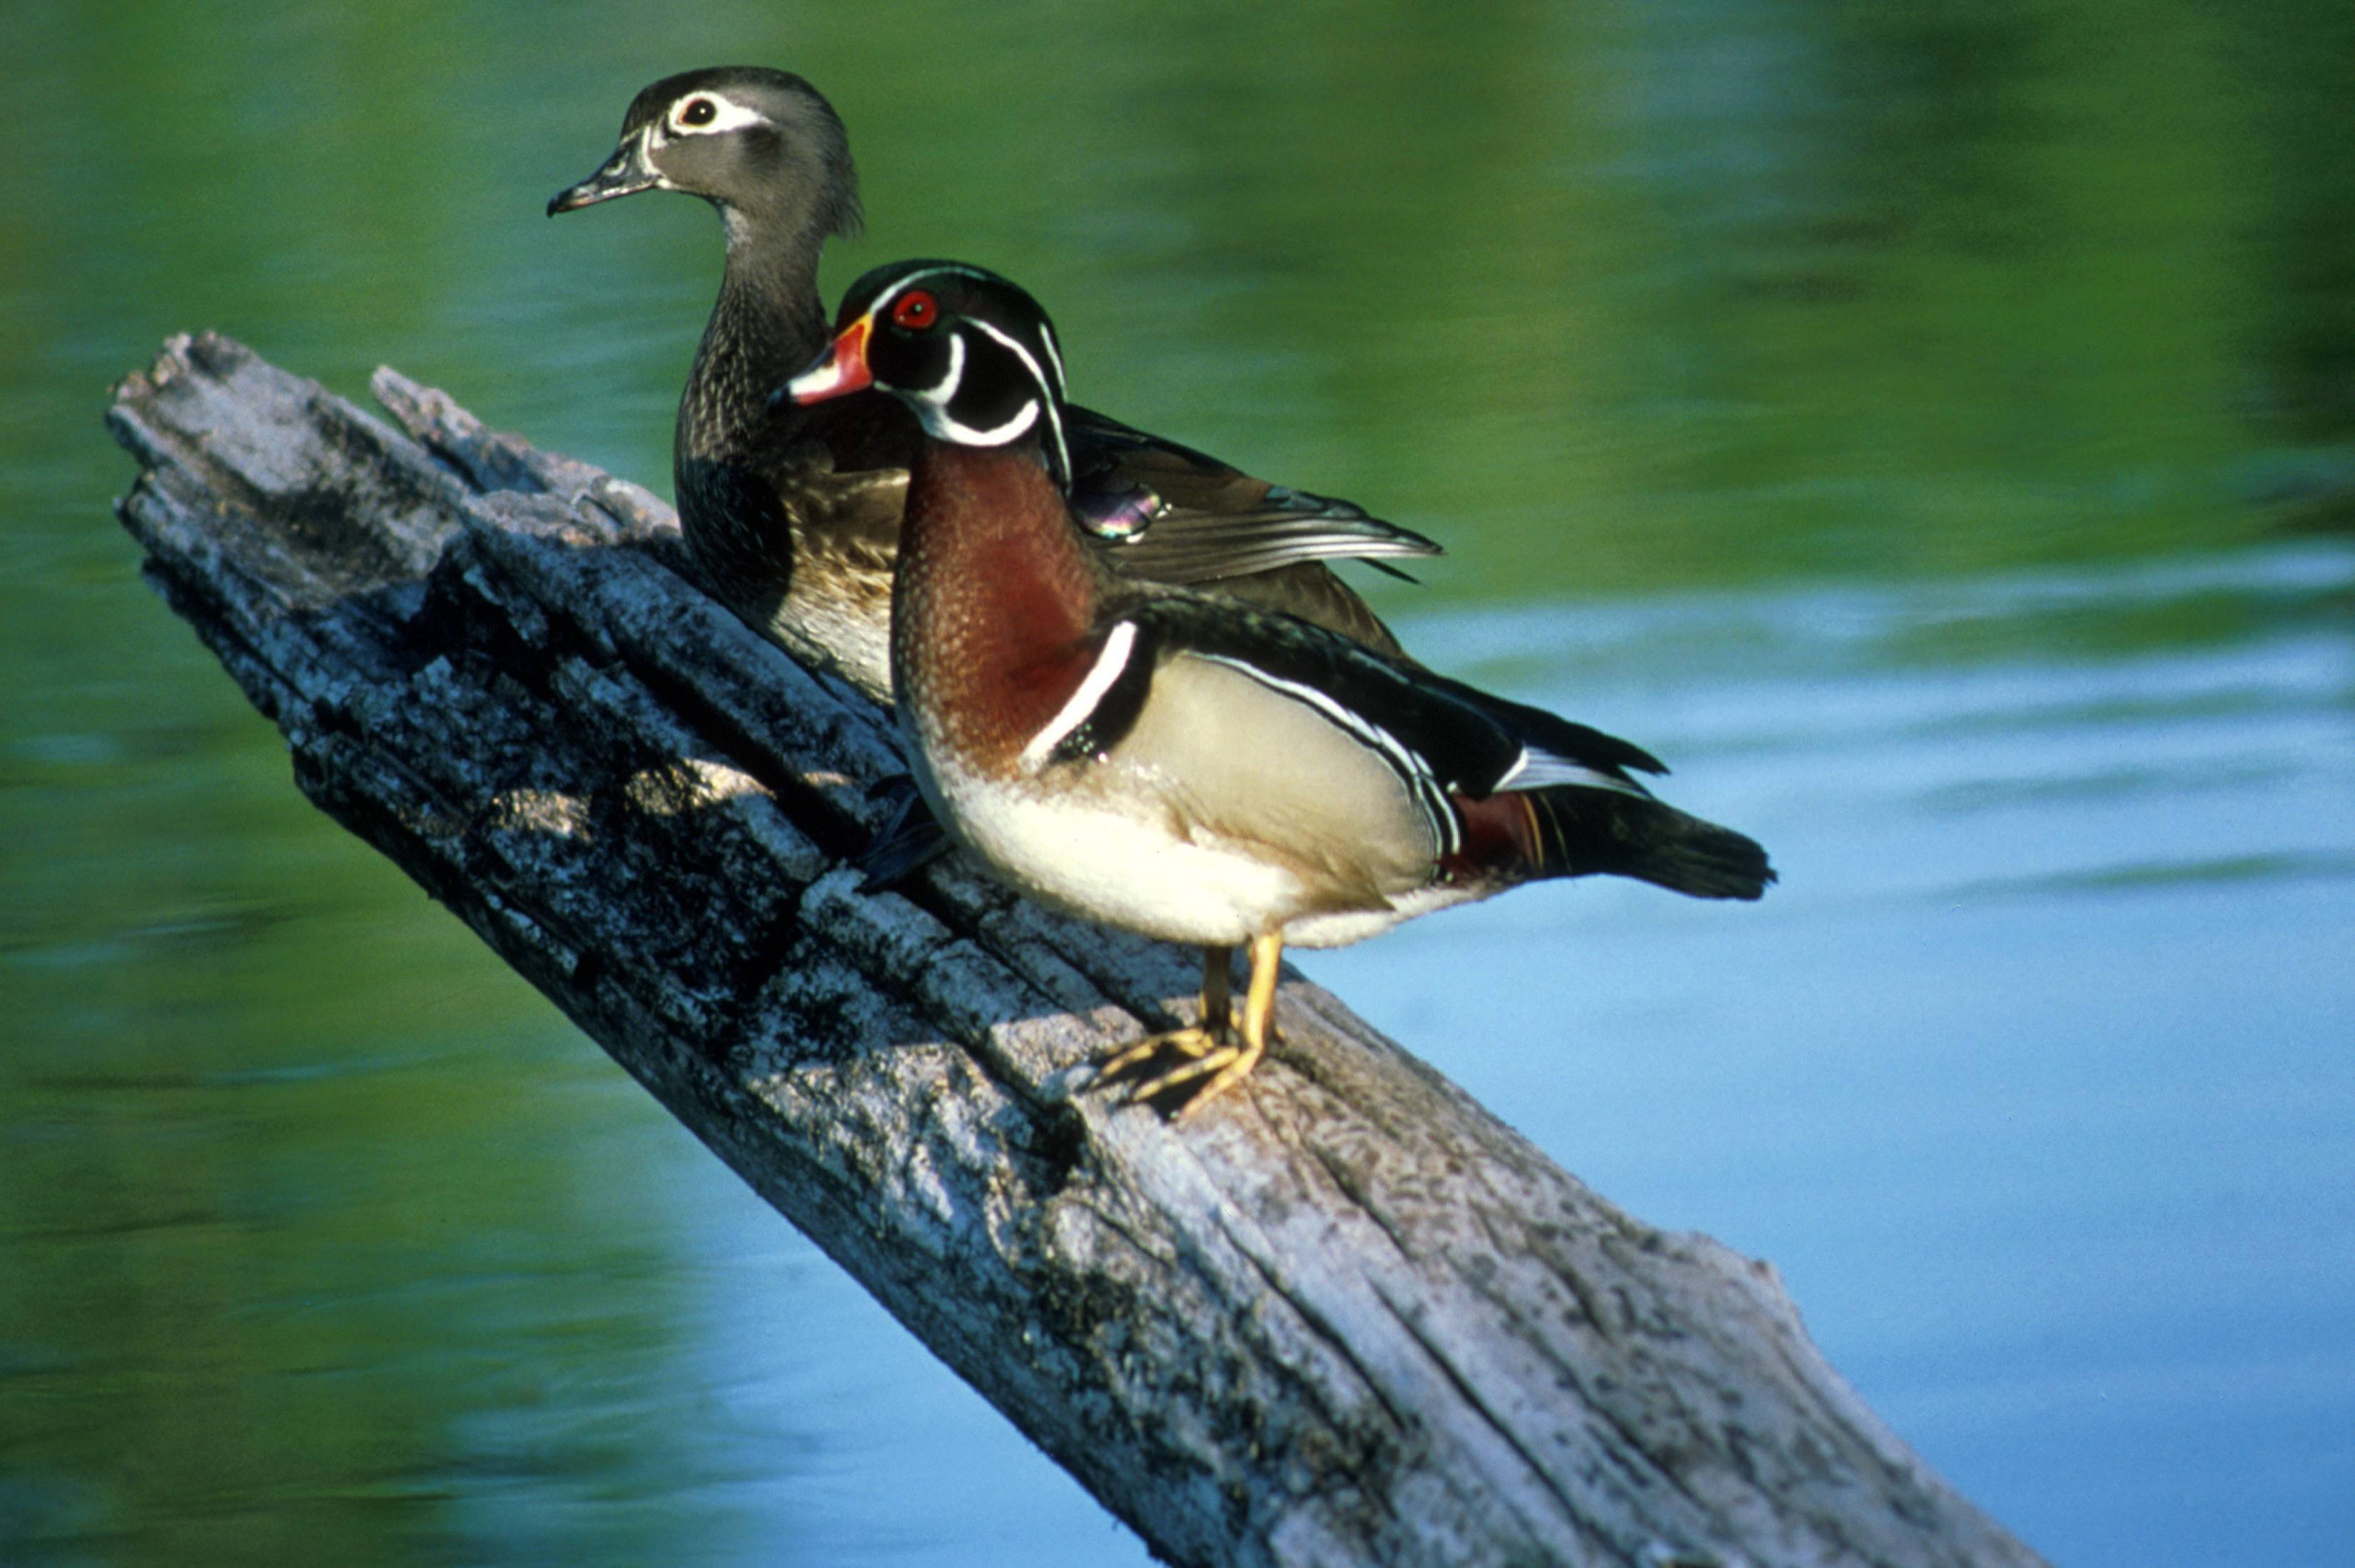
{"x": 1185, "y": 766}
{"x": 794, "y": 513}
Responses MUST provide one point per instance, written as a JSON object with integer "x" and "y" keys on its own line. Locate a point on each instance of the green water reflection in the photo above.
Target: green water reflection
{"x": 322, "y": 1238}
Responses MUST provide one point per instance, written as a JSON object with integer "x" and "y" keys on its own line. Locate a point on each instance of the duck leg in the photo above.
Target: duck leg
{"x": 1217, "y": 977}
{"x": 1210, "y": 1061}
{"x": 1151, "y": 1058}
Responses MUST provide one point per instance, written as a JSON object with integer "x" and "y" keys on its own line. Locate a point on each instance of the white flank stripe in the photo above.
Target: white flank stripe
{"x": 1413, "y": 771}
{"x": 1534, "y": 768}
{"x": 1074, "y": 713}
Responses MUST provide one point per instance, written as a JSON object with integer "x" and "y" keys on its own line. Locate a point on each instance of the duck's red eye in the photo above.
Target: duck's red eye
{"x": 699, "y": 111}
{"x": 916, "y": 311}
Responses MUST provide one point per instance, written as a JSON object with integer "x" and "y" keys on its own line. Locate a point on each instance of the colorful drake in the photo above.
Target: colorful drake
{"x": 793, "y": 514}
{"x": 1181, "y": 765}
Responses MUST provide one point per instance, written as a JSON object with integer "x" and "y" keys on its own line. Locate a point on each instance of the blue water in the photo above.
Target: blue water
{"x": 2036, "y": 1077}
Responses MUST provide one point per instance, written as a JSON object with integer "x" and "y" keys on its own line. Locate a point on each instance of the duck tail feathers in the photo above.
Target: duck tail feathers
{"x": 1580, "y": 831}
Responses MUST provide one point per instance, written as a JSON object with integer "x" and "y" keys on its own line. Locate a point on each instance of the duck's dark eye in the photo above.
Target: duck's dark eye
{"x": 916, "y": 311}
{"x": 699, "y": 111}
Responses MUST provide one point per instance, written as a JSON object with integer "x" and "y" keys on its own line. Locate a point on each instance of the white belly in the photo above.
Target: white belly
{"x": 1101, "y": 859}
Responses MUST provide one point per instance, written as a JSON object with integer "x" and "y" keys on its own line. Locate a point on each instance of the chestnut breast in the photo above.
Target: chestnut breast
{"x": 994, "y": 603}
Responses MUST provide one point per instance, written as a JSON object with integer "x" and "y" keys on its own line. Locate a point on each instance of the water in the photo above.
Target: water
{"x": 2032, "y": 1076}
{"x": 1932, "y": 429}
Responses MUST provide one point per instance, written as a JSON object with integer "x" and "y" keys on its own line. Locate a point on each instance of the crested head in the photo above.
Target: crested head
{"x": 971, "y": 353}
{"x": 762, "y": 145}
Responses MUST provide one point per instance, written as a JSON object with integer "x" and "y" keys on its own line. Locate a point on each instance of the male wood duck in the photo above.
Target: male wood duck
{"x": 794, "y": 513}
{"x": 1182, "y": 765}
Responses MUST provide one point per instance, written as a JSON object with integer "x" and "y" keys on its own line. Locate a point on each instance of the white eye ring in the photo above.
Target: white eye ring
{"x": 727, "y": 115}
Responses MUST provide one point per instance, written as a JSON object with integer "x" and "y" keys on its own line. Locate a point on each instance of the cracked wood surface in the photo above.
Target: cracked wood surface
{"x": 1344, "y": 1317}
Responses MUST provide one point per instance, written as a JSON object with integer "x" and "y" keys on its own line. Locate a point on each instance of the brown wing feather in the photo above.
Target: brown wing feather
{"x": 837, "y": 471}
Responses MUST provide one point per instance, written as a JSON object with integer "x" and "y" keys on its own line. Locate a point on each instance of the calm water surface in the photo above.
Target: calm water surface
{"x": 1933, "y": 429}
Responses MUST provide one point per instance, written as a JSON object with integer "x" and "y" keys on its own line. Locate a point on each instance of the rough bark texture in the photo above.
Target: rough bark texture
{"x": 1345, "y": 1317}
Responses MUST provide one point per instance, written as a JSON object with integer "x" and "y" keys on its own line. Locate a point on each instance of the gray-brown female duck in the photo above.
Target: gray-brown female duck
{"x": 794, "y": 513}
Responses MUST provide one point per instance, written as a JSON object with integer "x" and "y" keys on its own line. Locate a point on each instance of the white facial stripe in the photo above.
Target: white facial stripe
{"x": 645, "y": 159}
{"x": 948, "y": 269}
{"x": 1411, "y": 770}
{"x": 1083, "y": 706}
{"x": 1021, "y": 353}
{"x": 937, "y": 397}
{"x": 1051, "y": 389}
{"x": 1055, "y": 355}
{"x": 1535, "y": 769}
{"x": 949, "y": 383}
{"x": 727, "y": 115}
{"x": 933, "y": 407}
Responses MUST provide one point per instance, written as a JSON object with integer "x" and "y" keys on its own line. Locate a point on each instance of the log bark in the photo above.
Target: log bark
{"x": 1345, "y": 1317}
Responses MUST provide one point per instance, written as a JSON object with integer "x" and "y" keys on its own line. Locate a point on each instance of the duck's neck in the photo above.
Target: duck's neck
{"x": 765, "y": 328}
{"x": 991, "y": 603}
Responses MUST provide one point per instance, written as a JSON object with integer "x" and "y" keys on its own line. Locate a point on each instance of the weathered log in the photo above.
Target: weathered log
{"x": 1344, "y": 1317}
